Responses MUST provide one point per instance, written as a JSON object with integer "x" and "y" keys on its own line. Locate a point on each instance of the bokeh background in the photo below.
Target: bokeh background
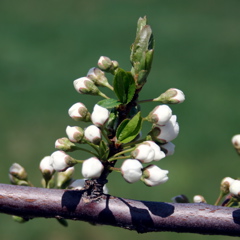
{"x": 45, "y": 45}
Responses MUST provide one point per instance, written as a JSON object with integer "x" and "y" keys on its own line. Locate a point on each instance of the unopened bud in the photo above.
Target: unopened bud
{"x": 131, "y": 170}
{"x": 46, "y": 168}
{"x": 105, "y": 64}
{"x": 99, "y": 115}
{"x": 75, "y": 134}
{"x": 98, "y": 77}
{"x": 85, "y": 85}
{"x": 160, "y": 115}
{"x": 225, "y": 184}
{"x": 61, "y": 161}
{"x": 235, "y": 188}
{"x": 168, "y": 148}
{"x": 172, "y": 95}
{"x": 153, "y": 175}
{"x": 199, "y": 199}
{"x": 93, "y": 134}
{"x": 17, "y": 173}
{"x": 92, "y": 168}
{"x": 64, "y": 144}
{"x": 79, "y": 112}
{"x": 64, "y": 177}
{"x": 236, "y": 142}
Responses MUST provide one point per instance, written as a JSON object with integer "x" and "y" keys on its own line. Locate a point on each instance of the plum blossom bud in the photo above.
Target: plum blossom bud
{"x": 85, "y": 85}
{"x": 64, "y": 144}
{"x": 172, "y": 95}
{"x": 143, "y": 153}
{"x": 168, "y": 148}
{"x": 79, "y": 112}
{"x": 158, "y": 154}
{"x": 75, "y": 134}
{"x": 160, "y": 115}
{"x": 235, "y": 187}
{"x": 153, "y": 175}
{"x": 93, "y": 134}
{"x": 98, "y": 77}
{"x": 99, "y": 115}
{"x": 105, "y": 63}
{"x": 60, "y": 161}
{"x": 92, "y": 168}
{"x": 236, "y": 142}
{"x": 225, "y": 184}
{"x": 199, "y": 199}
{"x": 131, "y": 170}
{"x": 18, "y": 175}
{"x": 166, "y": 133}
{"x": 64, "y": 177}
{"x": 46, "y": 168}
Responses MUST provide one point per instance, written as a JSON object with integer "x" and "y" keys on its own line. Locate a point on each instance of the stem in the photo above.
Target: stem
{"x": 221, "y": 195}
{"x": 103, "y": 95}
{"x": 85, "y": 150}
{"x": 144, "y": 101}
{"x": 117, "y": 158}
{"x": 109, "y": 86}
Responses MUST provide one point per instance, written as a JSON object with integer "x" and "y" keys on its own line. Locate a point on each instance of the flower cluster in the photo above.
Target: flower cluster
{"x": 114, "y": 134}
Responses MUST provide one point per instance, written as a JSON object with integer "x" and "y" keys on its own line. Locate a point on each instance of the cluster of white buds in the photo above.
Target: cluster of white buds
{"x": 115, "y": 124}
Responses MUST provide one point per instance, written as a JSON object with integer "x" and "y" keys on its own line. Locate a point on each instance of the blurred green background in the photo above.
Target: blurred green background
{"x": 45, "y": 45}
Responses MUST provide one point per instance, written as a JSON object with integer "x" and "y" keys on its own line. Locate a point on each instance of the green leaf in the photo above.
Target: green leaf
{"x": 109, "y": 103}
{"x": 129, "y": 129}
{"x": 124, "y": 86}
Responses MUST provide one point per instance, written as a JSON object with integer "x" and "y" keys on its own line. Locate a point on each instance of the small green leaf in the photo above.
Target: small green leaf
{"x": 129, "y": 129}
{"x": 109, "y": 103}
{"x": 124, "y": 86}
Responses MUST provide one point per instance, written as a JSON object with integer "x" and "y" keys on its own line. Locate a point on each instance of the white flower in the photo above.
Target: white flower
{"x": 131, "y": 170}
{"x": 154, "y": 175}
{"x": 60, "y": 161}
{"x": 93, "y": 134}
{"x": 169, "y": 148}
{"x": 143, "y": 153}
{"x": 79, "y": 112}
{"x": 158, "y": 154}
{"x": 85, "y": 85}
{"x": 75, "y": 134}
{"x": 46, "y": 167}
{"x": 160, "y": 115}
{"x": 168, "y": 132}
{"x": 92, "y": 168}
{"x": 235, "y": 187}
{"x": 99, "y": 115}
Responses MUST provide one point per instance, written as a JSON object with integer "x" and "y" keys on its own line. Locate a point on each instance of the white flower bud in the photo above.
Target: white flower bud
{"x": 64, "y": 144}
{"x": 93, "y": 134}
{"x": 236, "y": 142}
{"x": 199, "y": 199}
{"x": 172, "y": 95}
{"x": 168, "y": 148}
{"x": 46, "y": 168}
{"x": 131, "y": 170}
{"x": 225, "y": 184}
{"x": 143, "y": 153}
{"x": 158, "y": 154}
{"x": 60, "y": 161}
{"x": 105, "y": 63}
{"x": 85, "y": 85}
{"x": 160, "y": 115}
{"x": 75, "y": 134}
{"x": 92, "y": 168}
{"x": 153, "y": 175}
{"x": 18, "y": 172}
{"x": 79, "y": 112}
{"x": 99, "y": 115}
{"x": 235, "y": 187}
{"x": 166, "y": 133}
{"x": 98, "y": 77}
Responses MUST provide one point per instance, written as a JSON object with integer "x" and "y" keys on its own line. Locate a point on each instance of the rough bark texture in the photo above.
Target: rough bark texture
{"x": 141, "y": 216}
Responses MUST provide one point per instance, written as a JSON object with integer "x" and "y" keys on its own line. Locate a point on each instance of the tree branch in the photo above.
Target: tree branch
{"x": 141, "y": 216}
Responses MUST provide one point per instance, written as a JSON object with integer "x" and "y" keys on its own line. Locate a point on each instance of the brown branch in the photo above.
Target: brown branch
{"x": 142, "y": 216}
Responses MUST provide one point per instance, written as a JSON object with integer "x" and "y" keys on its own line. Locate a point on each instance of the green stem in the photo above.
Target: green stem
{"x": 109, "y": 86}
{"x": 103, "y": 95}
{"x": 221, "y": 195}
{"x": 85, "y": 150}
{"x": 117, "y": 158}
{"x": 114, "y": 169}
{"x": 144, "y": 101}
{"x": 105, "y": 136}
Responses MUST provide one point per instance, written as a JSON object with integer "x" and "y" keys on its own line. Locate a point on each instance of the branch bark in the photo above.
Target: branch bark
{"x": 141, "y": 216}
